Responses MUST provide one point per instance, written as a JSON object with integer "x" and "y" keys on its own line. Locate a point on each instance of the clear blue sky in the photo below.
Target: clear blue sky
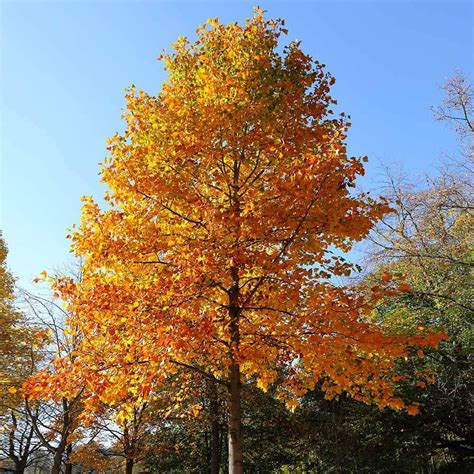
{"x": 64, "y": 65}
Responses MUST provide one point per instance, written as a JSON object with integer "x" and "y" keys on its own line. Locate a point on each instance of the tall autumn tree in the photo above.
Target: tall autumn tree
{"x": 228, "y": 193}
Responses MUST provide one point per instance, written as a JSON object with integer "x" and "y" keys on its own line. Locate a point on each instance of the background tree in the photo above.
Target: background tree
{"x": 92, "y": 456}
{"x": 457, "y": 108}
{"x": 20, "y": 353}
{"x": 15, "y": 336}
{"x": 126, "y": 440}
{"x": 55, "y": 418}
{"x": 19, "y": 446}
{"x": 430, "y": 241}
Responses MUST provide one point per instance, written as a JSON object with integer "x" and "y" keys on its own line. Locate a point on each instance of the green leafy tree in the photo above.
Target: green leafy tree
{"x": 430, "y": 243}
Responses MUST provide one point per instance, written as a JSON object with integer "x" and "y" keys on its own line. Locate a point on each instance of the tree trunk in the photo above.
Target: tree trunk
{"x": 215, "y": 441}
{"x": 62, "y": 446}
{"x": 236, "y": 464}
{"x": 236, "y": 460}
{"x": 19, "y": 468}
{"x": 215, "y": 448}
{"x": 129, "y": 466}
{"x": 57, "y": 460}
{"x": 68, "y": 468}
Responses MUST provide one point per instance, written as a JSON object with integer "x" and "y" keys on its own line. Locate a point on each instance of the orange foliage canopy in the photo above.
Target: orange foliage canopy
{"x": 228, "y": 192}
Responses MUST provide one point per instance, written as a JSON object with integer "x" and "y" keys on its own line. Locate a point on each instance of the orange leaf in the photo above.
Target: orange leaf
{"x": 386, "y": 276}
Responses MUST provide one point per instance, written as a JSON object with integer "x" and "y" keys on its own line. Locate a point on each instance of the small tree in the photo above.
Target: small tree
{"x": 18, "y": 442}
{"x": 20, "y": 352}
{"x": 16, "y": 336}
{"x": 53, "y": 413}
{"x": 125, "y": 440}
{"x": 430, "y": 241}
{"x": 229, "y": 193}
